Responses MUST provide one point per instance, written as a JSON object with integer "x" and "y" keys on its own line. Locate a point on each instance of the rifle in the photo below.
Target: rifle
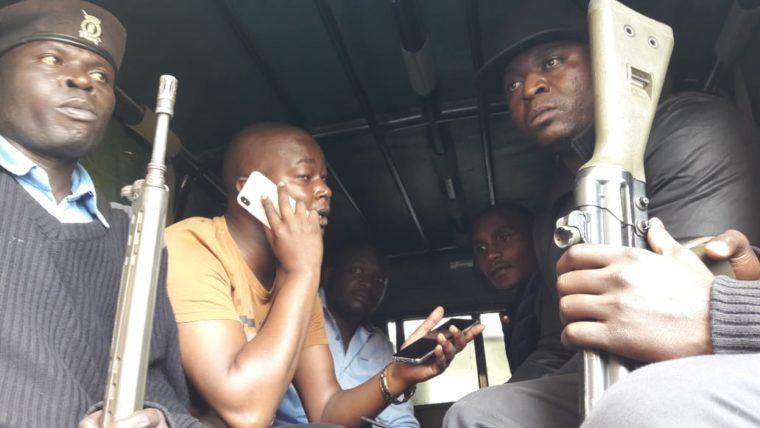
{"x": 629, "y": 59}
{"x": 133, "y": 326}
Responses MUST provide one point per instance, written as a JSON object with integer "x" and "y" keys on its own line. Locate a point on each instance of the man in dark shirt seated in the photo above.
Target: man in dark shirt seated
{"x": 700, "y": 163}
{"x": 502, "y": 246}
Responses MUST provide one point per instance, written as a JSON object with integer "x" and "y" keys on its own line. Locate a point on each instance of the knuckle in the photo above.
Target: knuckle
{"x": 572, "y": 253}
{"x": 631, "y": 255}
{"x": 736, "y": 240}
{"x": 623, "y": 276}
{"x": 570, "y": 334}
{"x": 615, "y": 304}
{"x": 562, "y": 285}
{"x": 733, "y": 233}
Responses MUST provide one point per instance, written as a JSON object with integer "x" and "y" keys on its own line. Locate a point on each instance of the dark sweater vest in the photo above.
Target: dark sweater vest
{"x": 58, "y": 291}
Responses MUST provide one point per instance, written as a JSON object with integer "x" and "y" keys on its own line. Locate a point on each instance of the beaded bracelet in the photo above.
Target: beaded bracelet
{"x": 387, "y": 392}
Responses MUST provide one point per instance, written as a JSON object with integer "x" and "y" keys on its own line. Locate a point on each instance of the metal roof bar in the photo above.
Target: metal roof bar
{"x": 279, "y": 90}
{"x": 416, "y": 120}
{"x": 343, "y": 189}
{"x": 476, "y": 52}
{"x": 360, "y": 127}
{"x": 446, "y": 249}
{"x": 336, "y": 38}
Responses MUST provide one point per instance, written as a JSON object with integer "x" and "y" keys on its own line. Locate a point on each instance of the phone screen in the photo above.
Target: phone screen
{"x": 422, "y": 349}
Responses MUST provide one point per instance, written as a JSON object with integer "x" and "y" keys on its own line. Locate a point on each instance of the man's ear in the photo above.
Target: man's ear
{"x": 239, "y": 183}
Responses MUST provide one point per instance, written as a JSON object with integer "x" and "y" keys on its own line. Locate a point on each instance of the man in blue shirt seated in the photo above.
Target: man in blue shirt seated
{"x": 502, "y": 247}
{"x": 352, "y": 291}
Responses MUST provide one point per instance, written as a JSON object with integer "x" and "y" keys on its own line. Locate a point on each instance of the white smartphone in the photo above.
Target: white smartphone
{"x": 250, "y": 196}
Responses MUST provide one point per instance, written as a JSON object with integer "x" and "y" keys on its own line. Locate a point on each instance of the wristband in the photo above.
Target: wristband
{"x": 408, "y": 394}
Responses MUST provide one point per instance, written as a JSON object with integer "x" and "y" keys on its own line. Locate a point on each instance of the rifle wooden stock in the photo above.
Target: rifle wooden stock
{"x": 133, "y": 326}
{"x": 629, "y": 60}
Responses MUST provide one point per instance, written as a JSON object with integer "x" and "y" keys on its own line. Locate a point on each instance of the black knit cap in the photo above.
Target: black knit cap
{"x": 75, "y": 22}
{"x": 532, "y": 23}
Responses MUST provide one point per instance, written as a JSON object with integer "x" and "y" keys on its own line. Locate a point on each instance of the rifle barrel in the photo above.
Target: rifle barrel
{"x": 133, "y": 324}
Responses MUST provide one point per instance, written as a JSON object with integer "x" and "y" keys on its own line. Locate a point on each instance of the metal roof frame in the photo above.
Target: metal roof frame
{"x": 476, "y": 52}
{"x": 274, "y": 84}
{"x": 336, "y": 38}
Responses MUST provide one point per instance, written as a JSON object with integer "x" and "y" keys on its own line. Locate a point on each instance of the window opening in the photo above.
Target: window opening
{"x": 496, "y": 358}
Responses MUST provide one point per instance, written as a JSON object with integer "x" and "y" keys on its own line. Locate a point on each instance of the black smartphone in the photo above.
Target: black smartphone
{"x": 422, "y": 349}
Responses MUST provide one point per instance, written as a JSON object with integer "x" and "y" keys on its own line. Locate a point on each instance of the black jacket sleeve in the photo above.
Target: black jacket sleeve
{"x": 703, "y": 165}
{"x": 550, "y": 354}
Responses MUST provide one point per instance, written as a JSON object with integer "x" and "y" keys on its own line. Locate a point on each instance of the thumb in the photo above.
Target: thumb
{"x": 431, "y": 321}
{"x": 659, "y": 238}
{"x": 92, "y": 420}
{"x": 733, "y": 246}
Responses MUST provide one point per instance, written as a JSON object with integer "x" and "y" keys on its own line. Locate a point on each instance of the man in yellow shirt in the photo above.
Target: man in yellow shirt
{"x": 245, "y": 296}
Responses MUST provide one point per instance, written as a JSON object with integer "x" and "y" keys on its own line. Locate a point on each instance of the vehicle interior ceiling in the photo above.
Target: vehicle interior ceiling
{"x": 414, "y": 150}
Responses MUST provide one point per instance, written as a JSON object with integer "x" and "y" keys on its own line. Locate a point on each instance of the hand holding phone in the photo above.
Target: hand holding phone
{"x": 406, "y": 375}
{"x": 294, "y": 232}
{"x": 422, "y": 350}
{"x": 255, "y": 187}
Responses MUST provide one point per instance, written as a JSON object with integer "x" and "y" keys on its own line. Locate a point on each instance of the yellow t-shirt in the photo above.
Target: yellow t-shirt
{"x": 209, "y": 280}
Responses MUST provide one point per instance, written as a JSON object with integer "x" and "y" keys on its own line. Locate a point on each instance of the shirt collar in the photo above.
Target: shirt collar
{"x": 362, "y": 330}
{"x": 82, "y": 186}
{"x": 83, "y": 190}
{"x": 563, "y": 180}
{"x": 12, "y": 160}
{"x": 583, "y": 143}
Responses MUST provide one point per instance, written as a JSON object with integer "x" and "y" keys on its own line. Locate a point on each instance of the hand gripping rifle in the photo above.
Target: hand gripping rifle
{"x": 629, "y": 59}
{"x": 133, "y": 326}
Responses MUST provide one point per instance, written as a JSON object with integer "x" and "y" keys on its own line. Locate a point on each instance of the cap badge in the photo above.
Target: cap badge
{"x": 90, "y": 29}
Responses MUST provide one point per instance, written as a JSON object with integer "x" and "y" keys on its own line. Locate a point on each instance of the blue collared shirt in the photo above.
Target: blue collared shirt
{"x": 78, "y": 207}
{"x": 368, "y": 353}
